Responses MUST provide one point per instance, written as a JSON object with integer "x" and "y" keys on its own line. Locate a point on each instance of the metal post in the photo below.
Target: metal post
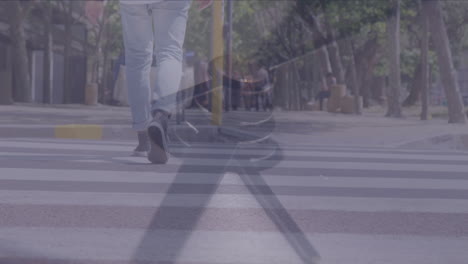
{"x": 229, "y": 52}
{"x": 217, "y": 51}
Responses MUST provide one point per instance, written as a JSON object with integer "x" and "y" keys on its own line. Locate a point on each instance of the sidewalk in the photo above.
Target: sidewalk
{"x": 372, "y": 129}
{"x": 292, "y": 128}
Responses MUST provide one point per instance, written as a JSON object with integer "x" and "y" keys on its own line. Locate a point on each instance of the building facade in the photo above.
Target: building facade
{"x": 74, "y": 92}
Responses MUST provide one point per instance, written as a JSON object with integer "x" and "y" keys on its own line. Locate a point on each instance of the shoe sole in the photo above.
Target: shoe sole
{"x": 158, "y": 150}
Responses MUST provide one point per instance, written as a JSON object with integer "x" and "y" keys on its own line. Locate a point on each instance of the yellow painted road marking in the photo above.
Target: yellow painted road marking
{"x": 76, "y": 131}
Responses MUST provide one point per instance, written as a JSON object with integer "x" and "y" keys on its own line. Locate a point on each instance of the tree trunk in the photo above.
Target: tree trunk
{"x": 105, "y": 61}
{"x": 319, "y": 40}
{"x": 6, "y": 96}
{"x": 378, "y": 86}
{"x": 104, "y": 78}
{"x": 367, "y": 84}
{"x": 67, "y": 52}
{"x": 284, "y": 89}
{"x": 393, "y": 35}
{"x": 425, "y": 81}
{"x": 48, "y": 55}
{"x": 298, "y": 88}
{"x": 448, "y": 74}
{"x": 416, "y": 85}
{"x": 365, "y": 60}
{"x": 334, "y": 54}
{"x": 20, "y": 54}
{"x": 325, "y": 66}
{"x": 357, "y": 106}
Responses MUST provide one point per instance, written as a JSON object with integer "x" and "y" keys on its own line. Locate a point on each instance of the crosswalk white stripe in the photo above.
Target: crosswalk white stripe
{"x": 331, "y": 153}
{"x": 289, "y": 154}
{"x": 129, "y": 143}
{"x": 290, "y": 164}
{"x": 63, "y": 146}
{"x": 227, "y": 247}
{"x": 227, "y": 178}
{"x": 19, "y": 154}
{"x": 235, "y": 201}
{"x": 304, "y": 147}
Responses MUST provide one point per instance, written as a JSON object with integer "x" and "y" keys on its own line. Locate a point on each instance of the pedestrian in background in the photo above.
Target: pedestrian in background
{"x": 325, "y": 92}
{"x": 261, "y": 83}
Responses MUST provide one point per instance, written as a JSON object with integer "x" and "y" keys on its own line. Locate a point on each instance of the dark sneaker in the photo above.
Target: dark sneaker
{"x": 143, "y": 145}
{"x": 157, "y": 132}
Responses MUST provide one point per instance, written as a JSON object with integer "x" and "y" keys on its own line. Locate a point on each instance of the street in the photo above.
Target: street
{"x": 89, "y": 202}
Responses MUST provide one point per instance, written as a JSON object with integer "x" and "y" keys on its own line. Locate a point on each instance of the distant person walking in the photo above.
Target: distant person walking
{"x": 261, "y": 80}
{"x": 325, "y": 92}
{"x": 202, "y": 85}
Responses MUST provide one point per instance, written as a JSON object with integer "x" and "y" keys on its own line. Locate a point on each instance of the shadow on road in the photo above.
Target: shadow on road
{"x": 249, "y": 168}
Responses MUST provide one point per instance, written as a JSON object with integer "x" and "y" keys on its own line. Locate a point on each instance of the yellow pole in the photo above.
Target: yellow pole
{"x": 218, "y": 62}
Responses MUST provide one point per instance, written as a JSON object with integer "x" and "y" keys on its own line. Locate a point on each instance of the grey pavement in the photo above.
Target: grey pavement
{"x": 88, "y": 202}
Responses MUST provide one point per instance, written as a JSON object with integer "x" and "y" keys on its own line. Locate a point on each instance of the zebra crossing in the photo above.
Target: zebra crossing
{"x": 65, "y": 201}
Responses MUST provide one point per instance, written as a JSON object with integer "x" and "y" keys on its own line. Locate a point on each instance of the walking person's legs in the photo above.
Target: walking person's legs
{"x": 170, "y": 22}
{"x": 138, "y": 40}
{"x": 321, "y": 97}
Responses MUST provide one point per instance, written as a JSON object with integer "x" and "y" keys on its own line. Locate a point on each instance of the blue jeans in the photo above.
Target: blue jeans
{"x": 154, "y": 28}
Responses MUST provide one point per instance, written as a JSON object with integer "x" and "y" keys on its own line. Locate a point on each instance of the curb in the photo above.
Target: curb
{"x": 72, "y": 131}
{"x": 441, "y": 142}
{"x": 177, "y": 133}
